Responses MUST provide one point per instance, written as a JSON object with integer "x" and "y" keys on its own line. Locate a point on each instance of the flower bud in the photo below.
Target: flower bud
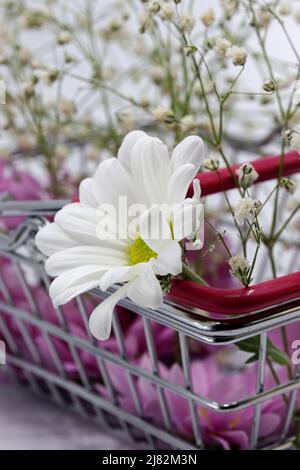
{"x": 187, "y": 22}
{"x": 284, "y": 9}
{"x": 247, "y": 175}
{"x": 163, "y": 115}
{"x": 208, "y": 18}
{"x": 238, "y": 55}
{"x": 269, "y": 86}
{"x": 240, "y": 268}
{"x": 222, "y": 46}
{"x": 190, "y": 49}
{"x": 153, "y": 7}
{"x": 289, "y": 185}
{"x": 212, "y": 163}
{"x": 293, "y": 138}
{"x": 64, "y": 37}
{"x": 28, "y": 89}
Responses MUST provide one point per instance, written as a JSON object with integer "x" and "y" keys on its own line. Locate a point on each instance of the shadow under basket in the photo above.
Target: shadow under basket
{"x": 171, "y": 378}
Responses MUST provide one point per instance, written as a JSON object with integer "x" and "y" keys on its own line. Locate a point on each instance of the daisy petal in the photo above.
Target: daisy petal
{"x": 103, "y": 257}
{"x": 145, "y": 290}
{"x": 101, "y": 318}
{"x": 154, "y": 229}
{"x": 114, "y": 275}
{"x": 179, "y": 183}
{"x": 111, "y": 181}
{"x": 169, "y": 260}
{"x": 187, "y": 219}
{"x": 86, "y": 194}
{"x": 127, "y": 145}
{"x": 149, "y": 168}
{"x": 74, "y": 282}
{"x": 88, "y": 226}
{"x": 120, "y": 274}
{"x": 190, "y": 150}
{"x": 52, "y": 239}
{"x": 78, "y": 222}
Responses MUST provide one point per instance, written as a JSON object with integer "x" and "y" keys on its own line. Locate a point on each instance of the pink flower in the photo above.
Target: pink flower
{"x": 227, "y": 430}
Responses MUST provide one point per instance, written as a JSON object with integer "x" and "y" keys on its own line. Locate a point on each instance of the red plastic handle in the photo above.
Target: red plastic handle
{"x": 237, "y": 301}
{"x": 264, "y": 295}
{"x": 213, "y": 182}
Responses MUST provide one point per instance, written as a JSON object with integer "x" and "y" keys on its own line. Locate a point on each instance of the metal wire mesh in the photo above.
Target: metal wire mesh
{"x": 56, "y": 355}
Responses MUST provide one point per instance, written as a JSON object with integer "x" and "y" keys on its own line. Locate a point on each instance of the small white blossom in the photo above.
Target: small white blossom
{"x": 211, "y": 163}
{"x": 63, "y": 38}
{"x": 263, "y": 17}
{"x": 67, "y": 107}
{"x": 163, "y": 115}
{"x": 48, "y": 76}
{"x": 157, "y": 73}
{"x": 285, "y": 9}
{"x": 187, "y": 22}
{"x": 26, "y": 142}
{"x": 153, "y": 7}
{"x": 126, "y": 121}
{"x": 221, "y": 46}
{"x": 187, "y": 122}
{"x": 25, "y": 55}
{"x": 286, "y": 134}
{"x": 247, "y": 209}
{"x": 61, "y": 152}
{"x": 93, "y": 153}
{"x": 28, "y": 89}
{"x": 167, "y": 11}
{"x": 289, "y": 185}
{"x": 247, "y": 175}
{"x": 140, "y": 48}
{"x": 295, "y": 141}
{"x": 238, "y": 55}
{"x": 145, "y": 22}
{"x": 240, "y": 268}
{"x": 293, "y": 138}
{"x": 230, "y": 6}
{"x": 208, "y": 18}
{"x": 107, "y": 73}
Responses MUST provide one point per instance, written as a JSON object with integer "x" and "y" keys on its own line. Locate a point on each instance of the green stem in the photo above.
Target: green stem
{"x": 190, "y": 275}
{"x": 277, "y": 235}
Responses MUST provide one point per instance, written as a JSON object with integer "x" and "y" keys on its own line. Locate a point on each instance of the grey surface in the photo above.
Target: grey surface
{"x": 31, "y": 422}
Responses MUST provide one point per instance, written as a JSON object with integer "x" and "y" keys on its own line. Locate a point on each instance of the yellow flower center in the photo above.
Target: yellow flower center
{"x": 139, "y": 252}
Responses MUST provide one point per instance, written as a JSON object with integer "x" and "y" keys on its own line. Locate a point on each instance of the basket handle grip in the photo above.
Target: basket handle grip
{"x": 213, "y": 182}
{"x": 263, "y": 296}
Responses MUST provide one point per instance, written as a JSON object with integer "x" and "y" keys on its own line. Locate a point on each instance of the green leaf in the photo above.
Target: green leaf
{"x": 251, "y": 345}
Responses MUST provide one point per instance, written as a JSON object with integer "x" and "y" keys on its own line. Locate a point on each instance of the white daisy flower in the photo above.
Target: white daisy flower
{"x": 84, "y": 254}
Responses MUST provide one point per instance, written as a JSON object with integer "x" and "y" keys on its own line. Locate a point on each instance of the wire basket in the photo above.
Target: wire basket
{"x": 158, "y": 404}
